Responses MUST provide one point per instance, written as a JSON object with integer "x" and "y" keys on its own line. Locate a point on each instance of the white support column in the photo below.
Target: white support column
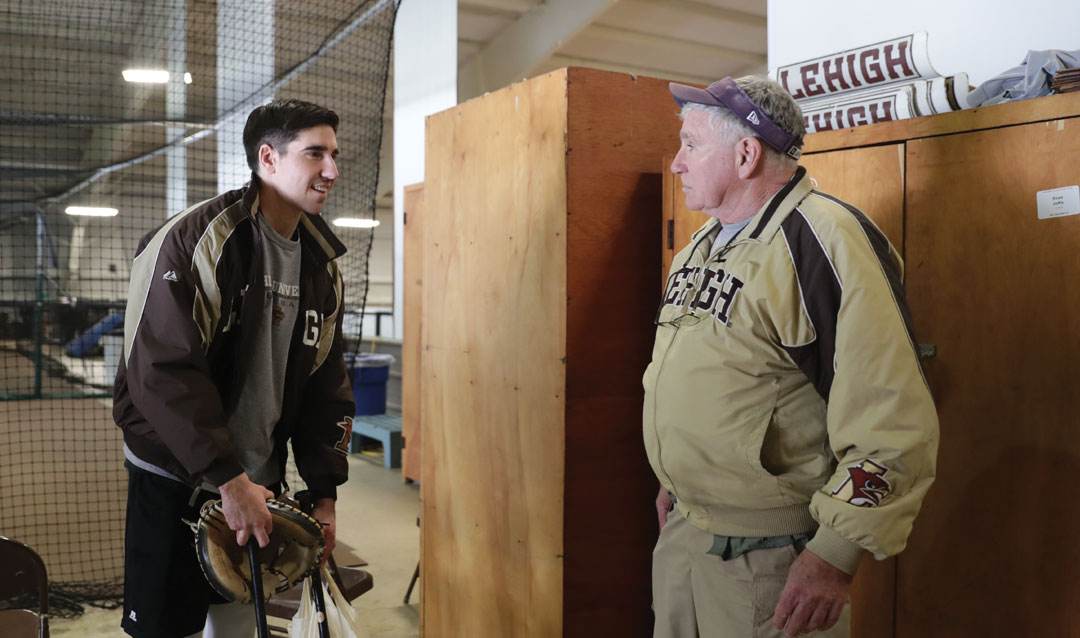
{"x": 176, "y": 109}
{"x": 425, "y": 82}
{"x": 245, "y": 62}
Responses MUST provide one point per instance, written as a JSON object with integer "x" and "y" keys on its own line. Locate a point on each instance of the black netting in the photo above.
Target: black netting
{"x": 74, "y": 132}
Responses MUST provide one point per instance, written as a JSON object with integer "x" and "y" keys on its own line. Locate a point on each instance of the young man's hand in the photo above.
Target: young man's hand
{"x": 244, "y": 505}
{"x": 324, "y": 512}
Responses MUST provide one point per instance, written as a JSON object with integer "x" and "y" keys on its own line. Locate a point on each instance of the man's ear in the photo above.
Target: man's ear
{"x": 268, "y": 158}
{"x": 749, "y": 157}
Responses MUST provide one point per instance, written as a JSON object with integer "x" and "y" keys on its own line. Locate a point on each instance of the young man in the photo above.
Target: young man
{"x": 232, "y": 347}
{"x": 785, "y": 407}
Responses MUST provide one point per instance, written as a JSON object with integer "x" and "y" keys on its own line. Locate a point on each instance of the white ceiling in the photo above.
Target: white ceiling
{"x": 700, "y": 41}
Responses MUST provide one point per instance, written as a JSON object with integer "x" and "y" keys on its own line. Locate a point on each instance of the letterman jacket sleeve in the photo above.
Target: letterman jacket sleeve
{"x": 321, "y": 442}
{"x": 171, "y": 316}
{"x": 881, "y": 419}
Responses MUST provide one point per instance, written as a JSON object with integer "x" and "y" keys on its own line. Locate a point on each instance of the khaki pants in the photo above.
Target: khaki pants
{"x": 695, "y": 594}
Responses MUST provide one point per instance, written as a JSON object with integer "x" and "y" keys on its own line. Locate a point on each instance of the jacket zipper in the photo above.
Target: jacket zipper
{"x": 690, "y": 298}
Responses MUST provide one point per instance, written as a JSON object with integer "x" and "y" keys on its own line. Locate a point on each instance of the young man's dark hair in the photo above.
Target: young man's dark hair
{"x": 279, "y": 122}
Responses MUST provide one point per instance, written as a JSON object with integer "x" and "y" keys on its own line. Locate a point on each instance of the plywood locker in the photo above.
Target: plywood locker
{"x": 993, "y": 287}
{"x": 541, "y": 211}
{"x": 871, "y": 179}
{"x": 413, "y": 274}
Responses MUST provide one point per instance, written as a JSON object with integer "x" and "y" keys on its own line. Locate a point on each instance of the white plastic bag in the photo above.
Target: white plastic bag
{"x": 342, "y": 619}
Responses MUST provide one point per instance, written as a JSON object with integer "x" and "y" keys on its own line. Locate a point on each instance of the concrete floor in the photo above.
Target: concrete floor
{"x": 376, "y": 517}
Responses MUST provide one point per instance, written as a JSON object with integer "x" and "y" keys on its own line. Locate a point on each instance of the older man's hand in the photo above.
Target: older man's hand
{"x": 663, "y": 506}
{"x": 813, "y": 598}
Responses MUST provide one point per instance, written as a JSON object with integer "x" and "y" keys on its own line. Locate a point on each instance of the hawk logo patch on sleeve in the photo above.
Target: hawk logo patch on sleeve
{"x": 342, "y": 444}
{"x": 865, "y": 485}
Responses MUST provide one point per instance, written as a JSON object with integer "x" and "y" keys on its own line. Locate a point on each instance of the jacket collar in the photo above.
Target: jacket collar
{"x": 767, "y": 220}
{"x": 315, "y": 233}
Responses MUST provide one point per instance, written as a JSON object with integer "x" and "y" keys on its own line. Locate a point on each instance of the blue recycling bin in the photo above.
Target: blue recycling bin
{"x": 369, "y": 373}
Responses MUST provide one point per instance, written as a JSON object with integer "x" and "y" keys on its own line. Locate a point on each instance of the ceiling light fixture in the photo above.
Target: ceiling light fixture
{"x": 352, "y": 222}
{"x": 151, "y": 76}
{"x": 91, "y": 211}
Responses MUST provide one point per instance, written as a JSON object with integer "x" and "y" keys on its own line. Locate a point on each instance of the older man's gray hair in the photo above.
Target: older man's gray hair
{"x": 772, "y": 99}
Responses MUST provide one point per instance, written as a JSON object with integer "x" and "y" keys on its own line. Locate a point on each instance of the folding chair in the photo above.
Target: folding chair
{"x": 22, "y": 576}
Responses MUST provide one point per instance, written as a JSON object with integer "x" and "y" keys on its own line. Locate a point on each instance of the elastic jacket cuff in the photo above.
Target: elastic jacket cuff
{"x": 222, "y": 472}
{"x": 836, "y": 550}
{"x": 323, "y": 492}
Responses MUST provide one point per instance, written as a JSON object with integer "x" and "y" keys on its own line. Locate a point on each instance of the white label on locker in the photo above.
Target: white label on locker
{"x": 1058, "y": 202}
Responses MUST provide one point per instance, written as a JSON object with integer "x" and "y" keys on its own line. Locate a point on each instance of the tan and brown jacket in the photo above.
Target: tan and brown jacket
{"x": 188, "y": 343}
{"x": 785, "y": 391}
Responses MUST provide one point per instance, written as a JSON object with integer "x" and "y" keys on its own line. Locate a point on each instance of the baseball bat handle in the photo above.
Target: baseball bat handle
{"x": 320, "y": 605}
{"x": 256, "y": 588}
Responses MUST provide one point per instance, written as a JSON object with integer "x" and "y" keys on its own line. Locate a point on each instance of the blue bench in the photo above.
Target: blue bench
{"x": 384, "y": 428}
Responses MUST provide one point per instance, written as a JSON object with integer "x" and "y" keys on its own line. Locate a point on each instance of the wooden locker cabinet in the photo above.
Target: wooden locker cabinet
{"x": 991, "y": 286}
{"x": 413, "y": 274}
{"x": 540, "y": 256}
{"x": 994, "y": 288}
{"x": 993, "y": 551}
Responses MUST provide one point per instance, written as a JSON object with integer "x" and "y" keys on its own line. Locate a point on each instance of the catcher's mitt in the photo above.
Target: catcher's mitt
{"x": 295, "y": 550}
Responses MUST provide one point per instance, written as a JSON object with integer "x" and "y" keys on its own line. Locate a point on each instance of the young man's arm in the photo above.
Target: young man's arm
{"x": 321, "y": 442}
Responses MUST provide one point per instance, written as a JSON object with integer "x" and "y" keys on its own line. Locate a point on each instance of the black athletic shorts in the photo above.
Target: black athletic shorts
{"x": 165, "y": 592}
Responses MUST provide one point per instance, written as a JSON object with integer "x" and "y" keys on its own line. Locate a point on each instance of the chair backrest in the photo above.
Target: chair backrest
{"x": 351, "y": 581}
{"x": 22, "y": 571}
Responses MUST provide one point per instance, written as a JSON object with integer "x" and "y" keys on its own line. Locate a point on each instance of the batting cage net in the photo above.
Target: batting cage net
{"x": 115, "y": 116}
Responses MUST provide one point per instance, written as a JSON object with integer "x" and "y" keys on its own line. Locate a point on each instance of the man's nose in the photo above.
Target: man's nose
{"x": 330, "y": 170}
{"x": 677, "y": 165}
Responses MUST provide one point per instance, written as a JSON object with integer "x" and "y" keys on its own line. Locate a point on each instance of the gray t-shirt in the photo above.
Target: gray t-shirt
{"x": 727, "y": 233}
{"x": 258, "y": 409}
{"x": 251, "y": 425}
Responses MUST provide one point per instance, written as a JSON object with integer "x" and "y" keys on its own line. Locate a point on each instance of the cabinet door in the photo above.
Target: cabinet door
{"x": 679, "y": 221}
{"x": 872, "y": 179}
{"x": 994, "y": 551}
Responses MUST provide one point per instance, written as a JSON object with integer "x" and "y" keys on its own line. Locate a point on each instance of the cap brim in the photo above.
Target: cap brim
{"x": 683, "y": 94}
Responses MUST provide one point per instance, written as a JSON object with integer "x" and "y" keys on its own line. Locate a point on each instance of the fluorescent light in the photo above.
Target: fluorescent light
{"x": 92, "y": 211}
{"x": 151, "y": 76}
{"x": 352, "y": 222}
{"x": 147, "y": 76}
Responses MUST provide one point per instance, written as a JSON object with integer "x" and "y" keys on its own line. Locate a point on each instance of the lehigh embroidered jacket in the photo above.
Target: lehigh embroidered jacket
{"x": 785, "y": 391}
{"x": 187, "y": 346}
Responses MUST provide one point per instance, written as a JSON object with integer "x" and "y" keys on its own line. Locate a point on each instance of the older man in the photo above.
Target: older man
{"x": 786, "y": 413}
